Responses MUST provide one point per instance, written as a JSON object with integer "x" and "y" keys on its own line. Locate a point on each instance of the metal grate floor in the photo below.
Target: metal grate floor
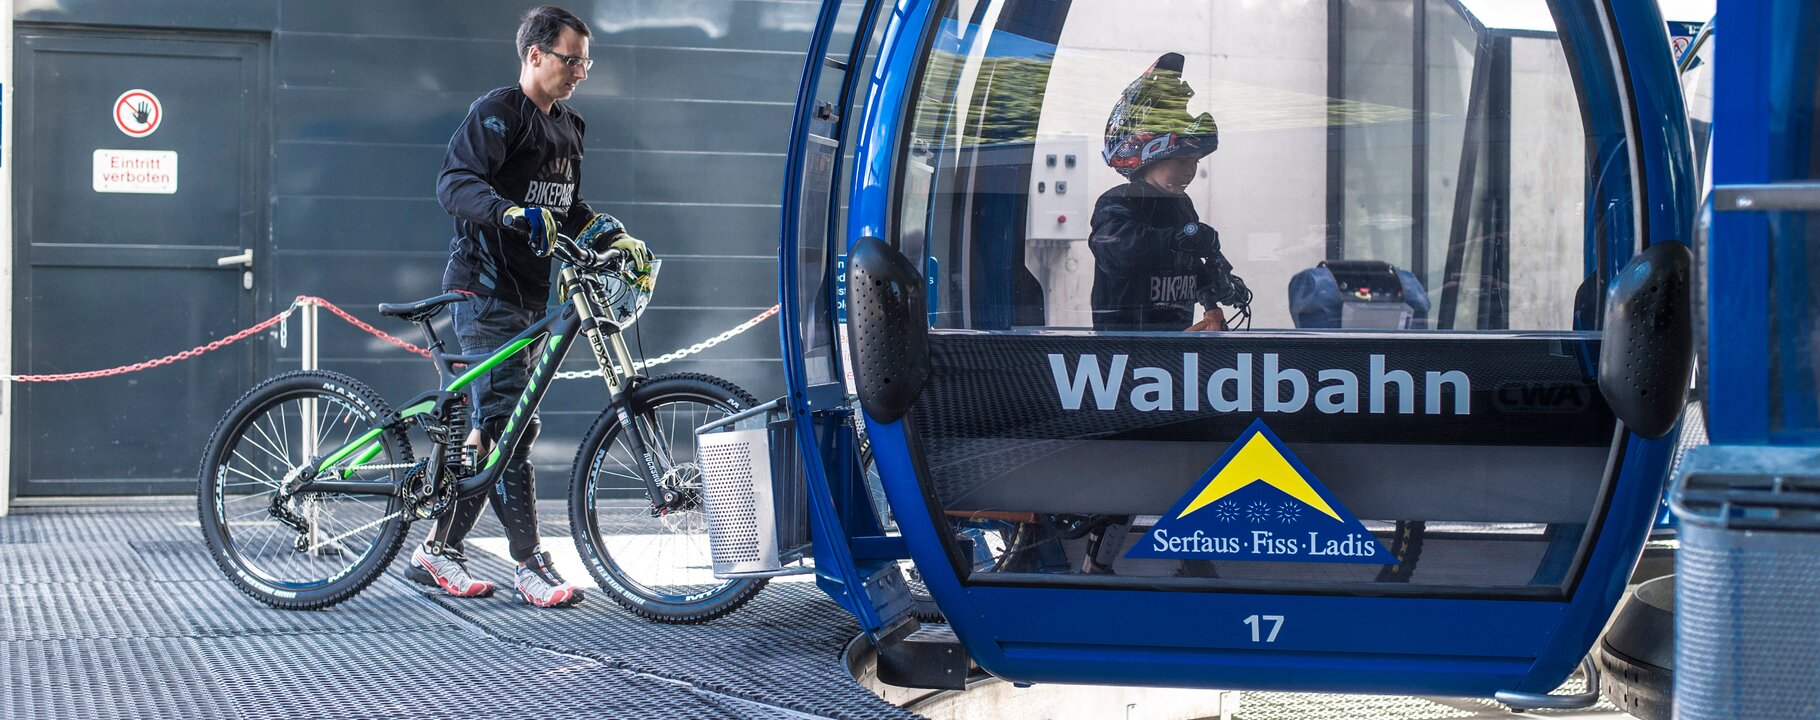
{"x": 1311, "y": 706}
{"x": 115, "y": 610}
{"x": 780, "y": 650}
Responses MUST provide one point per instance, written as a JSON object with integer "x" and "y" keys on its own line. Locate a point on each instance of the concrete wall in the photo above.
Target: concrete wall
{"x": 1548, "y": 189}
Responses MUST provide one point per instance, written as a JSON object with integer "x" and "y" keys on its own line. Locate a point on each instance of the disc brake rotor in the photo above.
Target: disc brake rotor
{"x": 684, "y": 479}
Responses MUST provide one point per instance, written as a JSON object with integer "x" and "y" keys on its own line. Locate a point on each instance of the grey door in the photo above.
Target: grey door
{"x": 108, "y": 278}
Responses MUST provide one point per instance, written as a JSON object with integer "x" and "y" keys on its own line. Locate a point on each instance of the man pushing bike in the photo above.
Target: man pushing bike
{"x": 310, "y": 482}
{"x": 512, "y": 179}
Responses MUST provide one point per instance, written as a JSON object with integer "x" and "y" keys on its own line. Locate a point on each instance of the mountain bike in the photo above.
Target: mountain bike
{"x": 309, "y": 484}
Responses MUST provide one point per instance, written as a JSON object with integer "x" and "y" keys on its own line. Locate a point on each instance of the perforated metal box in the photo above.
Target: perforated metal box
{"x": 1747, "y": 625}
{"x": 752, "y": 493}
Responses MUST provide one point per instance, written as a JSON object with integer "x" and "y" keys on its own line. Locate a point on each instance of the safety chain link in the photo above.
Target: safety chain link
{"x": 356, "y": 322}
{"x": 166, "y": 360}
{"x": 303, "y": 300}
{"x": 679, "y": 354}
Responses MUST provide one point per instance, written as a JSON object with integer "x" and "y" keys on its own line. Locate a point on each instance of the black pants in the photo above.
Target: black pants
{"x": 483, "y": 325}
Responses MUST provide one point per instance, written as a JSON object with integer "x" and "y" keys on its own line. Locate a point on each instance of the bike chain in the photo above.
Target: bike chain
{"x": 392, "y": 466}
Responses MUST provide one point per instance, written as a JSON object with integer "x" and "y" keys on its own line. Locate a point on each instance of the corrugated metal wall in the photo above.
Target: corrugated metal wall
{"x": 687, "y": 109}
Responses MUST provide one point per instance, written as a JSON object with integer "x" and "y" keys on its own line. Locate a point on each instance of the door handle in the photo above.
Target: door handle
{"x": 245, "y": 258}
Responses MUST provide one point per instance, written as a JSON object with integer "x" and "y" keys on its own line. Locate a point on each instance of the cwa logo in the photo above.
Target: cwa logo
{"x": 1258, "y": 502}
{"x": 1542, "y": 398}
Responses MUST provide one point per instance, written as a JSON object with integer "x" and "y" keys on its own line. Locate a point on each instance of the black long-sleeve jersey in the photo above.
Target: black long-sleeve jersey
{"x": 1141, "y": 280}
{"x": 508, "y": 152}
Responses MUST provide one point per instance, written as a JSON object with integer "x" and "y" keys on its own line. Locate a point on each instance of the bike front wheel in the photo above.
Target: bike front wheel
{"x": 313, "y": 549}
{"x": 657, "y": 566}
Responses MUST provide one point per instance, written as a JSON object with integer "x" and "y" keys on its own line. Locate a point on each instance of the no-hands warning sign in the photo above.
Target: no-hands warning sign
{"x": 137, "y": 113}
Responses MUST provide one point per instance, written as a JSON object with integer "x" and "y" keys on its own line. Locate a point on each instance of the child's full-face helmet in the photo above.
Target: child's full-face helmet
{"x": 1150, "y": 122}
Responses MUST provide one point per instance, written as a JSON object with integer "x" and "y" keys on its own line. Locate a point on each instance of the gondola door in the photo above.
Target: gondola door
{"x": 1320, "y": 411}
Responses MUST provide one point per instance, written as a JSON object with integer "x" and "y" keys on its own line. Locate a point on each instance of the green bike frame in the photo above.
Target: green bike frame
{"x": 558, "y": 329}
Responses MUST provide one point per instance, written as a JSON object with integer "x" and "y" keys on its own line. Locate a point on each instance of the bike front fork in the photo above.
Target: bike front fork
{"x": 654, "y": 460}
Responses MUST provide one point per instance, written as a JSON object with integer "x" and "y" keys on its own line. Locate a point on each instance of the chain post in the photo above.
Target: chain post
{"x": 307, "y": 345}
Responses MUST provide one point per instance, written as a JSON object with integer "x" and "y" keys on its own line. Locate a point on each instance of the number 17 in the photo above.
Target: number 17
{"x": 1276, "y": 624}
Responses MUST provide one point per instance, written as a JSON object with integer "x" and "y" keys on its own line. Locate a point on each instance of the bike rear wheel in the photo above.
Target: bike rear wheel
{"x": 659, "y": 567}
{"x": 334, "y": 544}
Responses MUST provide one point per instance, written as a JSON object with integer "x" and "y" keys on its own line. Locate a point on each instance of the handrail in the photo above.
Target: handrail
{"x": 1770, "y": 197}
{"x": 742, "y": 415}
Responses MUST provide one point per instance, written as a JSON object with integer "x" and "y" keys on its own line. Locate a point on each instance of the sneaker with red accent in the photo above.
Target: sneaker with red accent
{"x": 540, "y": 585}
{"x": 449, "y": 568}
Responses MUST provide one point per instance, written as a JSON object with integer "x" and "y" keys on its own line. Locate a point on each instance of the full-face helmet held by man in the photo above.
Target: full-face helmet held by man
{"x": 623, "y": 295}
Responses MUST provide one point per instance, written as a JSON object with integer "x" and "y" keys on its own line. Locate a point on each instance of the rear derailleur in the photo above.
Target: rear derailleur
{"x": 287, "y": 504}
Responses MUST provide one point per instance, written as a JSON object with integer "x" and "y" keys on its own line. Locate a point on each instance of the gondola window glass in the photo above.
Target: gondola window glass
{"x": 1380, "y": 215}
{"x": 1452, "y": 151}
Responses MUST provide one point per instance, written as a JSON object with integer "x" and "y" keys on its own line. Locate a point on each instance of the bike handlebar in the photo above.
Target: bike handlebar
{"x": 566, "y": 250}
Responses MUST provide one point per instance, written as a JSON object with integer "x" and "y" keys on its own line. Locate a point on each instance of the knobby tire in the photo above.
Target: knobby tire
{"x": 609, "y": 506}
{"x": 252, "y": 448}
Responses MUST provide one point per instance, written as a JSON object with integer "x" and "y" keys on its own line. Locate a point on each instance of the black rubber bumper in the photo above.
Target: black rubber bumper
{"x": 1636, "y": 657}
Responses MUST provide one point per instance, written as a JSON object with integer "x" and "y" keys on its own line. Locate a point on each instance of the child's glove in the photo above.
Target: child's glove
{"x": 1197, "y": 239}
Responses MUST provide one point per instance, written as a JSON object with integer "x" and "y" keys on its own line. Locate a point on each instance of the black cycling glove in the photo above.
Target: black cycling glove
{"x": 1197, "y": 239}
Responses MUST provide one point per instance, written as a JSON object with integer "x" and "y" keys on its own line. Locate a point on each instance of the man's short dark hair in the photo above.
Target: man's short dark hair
{"x": 543, "y": 25}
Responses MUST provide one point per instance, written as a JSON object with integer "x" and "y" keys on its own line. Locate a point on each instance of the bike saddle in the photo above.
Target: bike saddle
{"x": 422, "y": 309}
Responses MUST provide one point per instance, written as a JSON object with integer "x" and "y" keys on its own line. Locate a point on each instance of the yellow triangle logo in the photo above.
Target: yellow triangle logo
{"x": 1259, "y": 461}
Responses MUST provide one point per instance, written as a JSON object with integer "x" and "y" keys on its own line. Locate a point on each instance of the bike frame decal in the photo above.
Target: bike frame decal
{"x": 526, "y": 399}
{"x": 372, "y": 449}
{"x": 349, "y": 448}
{"x": 556, "y": 325}
{"x": 487, "y": 366}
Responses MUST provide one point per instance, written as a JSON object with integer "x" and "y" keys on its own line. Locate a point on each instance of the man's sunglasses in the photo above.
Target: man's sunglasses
{"x": 570, "y": 60}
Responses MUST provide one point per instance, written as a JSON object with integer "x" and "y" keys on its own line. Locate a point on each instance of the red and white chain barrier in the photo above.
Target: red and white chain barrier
{"x": 308, "y": 300}
{"x": 343, "y": 314}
